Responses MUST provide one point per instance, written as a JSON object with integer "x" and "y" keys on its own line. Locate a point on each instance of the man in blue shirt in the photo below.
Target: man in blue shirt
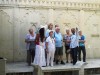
{"x": 82, "y": 46}
{"x": 74, "y": 44}
{"x": 59, "y": 46}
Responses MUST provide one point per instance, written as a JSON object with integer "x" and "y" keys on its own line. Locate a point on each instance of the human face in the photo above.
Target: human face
{"x": 73, "y": 30}
{"x": 67, "y": 31}
{"x": 57, "y": 30}
{"x": 51, "y": 26}
{"x": 51, "y": 33}
{"x": 31, "y": 31}
{"x": 80, "y": 32}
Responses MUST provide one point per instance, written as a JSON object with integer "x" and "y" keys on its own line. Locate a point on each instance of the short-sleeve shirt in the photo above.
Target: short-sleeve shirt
{"x": 82, "y": 38}
{"x": 74, "y": 41}
{"x": 67, "y": 37}
{"x": 58, "y": 39}
{"x": 29, "y": 38}
{"x": 51, "y": 43}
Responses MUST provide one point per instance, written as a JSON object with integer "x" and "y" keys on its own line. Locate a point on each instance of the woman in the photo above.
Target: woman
{"x": 39, "y": 51}
{"x": 50, "y": 48}
{"x": 30, "y": 41}
{"x": 67, "y": 39}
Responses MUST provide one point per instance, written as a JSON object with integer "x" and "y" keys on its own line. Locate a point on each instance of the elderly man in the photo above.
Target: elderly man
{"x": 59, "y": 46}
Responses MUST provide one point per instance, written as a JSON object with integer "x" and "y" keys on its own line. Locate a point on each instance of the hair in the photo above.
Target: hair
{"x": 37, "y": 38}
{"x": 49, "y": 25}
{"x": 41, "y": 32}
{"x": 73, "y": 30}
{"x": 56, "y": 25}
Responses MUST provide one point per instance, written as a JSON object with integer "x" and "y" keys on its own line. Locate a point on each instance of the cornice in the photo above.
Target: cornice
{"x": 50, "y": 4}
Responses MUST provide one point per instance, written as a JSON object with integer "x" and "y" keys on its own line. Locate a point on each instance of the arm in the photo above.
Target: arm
{"x": 27, "y": 39}
{"x": 82, "y": 40}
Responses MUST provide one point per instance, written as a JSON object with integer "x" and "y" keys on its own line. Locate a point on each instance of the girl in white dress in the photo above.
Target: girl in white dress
{"x": 40, "y": 49}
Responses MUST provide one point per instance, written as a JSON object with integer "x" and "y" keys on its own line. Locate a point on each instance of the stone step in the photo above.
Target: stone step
{"x": 23, "y": 73}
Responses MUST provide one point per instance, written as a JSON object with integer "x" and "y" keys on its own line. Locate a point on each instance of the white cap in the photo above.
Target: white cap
{"x": 50, "y": 31}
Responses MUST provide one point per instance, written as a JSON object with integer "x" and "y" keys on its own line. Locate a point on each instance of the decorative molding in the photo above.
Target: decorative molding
{"x": 50, "y": 4}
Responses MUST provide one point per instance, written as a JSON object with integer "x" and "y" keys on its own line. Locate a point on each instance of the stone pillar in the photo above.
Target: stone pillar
{"x": 51, "y": 16}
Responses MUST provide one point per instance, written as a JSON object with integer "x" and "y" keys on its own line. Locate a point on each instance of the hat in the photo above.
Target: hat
{"x": 50, "y": 31}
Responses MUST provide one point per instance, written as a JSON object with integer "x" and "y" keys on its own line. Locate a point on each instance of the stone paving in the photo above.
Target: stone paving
{"x": 22, "y": 66}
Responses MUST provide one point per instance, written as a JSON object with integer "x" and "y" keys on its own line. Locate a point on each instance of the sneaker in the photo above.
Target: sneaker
{"x": 62, "y": 63}
{"x": 74, "y": 63}
{"x": 71, "y": 61}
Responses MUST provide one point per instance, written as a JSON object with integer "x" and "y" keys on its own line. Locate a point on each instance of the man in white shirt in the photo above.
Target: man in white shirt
{"x": 74, "y": 44}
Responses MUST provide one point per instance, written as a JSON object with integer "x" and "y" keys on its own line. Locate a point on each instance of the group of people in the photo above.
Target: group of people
{"x": 46, "y": 47}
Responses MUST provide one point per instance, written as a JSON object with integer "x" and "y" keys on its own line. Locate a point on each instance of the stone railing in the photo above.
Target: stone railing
{"x": 50, "y": 4}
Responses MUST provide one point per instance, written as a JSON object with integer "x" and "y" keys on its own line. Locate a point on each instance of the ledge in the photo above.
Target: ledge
{"x": 50, "y": 4}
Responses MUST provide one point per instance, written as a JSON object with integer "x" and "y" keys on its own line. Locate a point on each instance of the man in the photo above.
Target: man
{"x": 74, "y": 44}
{"x": 30, "y": 46}
{"x": 59, "y": 46}
{"x": 82, "y": 47}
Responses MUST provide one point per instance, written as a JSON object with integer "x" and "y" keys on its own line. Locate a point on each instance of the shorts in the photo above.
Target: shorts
{"x": 67, "y": 49}
{"x": 59, "y": 51}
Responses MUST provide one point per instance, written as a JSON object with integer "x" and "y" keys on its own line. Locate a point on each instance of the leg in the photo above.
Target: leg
{"x": 72, "y": 53}
{"x": 79, "y": 54}
{"x": 56, "y": 55}
{"x": 52, "y": 57}
{"x": 29, "y": 57}
{"x": 66, "y": 54}
{"x": 33, "y": 55}
{"x": 84, "y": 53}
{"x": 48, "y": 58}
{"x": 66, "y": 57}
{"x": 61, "y": 55}
{"x": 76, "y": 49}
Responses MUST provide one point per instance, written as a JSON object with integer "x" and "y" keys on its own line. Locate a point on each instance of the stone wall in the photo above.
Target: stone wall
{"x": 17, "y": 16}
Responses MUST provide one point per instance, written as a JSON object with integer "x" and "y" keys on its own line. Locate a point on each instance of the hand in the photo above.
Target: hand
{"x": 76, "y": 29}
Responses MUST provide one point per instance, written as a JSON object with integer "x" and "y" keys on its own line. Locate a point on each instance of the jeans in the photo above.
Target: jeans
{"x": 74, "y": 54}
{"x": 30, "y": 56}
{"x": 82, "y": 48}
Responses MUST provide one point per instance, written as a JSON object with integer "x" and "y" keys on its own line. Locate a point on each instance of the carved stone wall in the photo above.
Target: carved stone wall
{"x": 17, "y": 16}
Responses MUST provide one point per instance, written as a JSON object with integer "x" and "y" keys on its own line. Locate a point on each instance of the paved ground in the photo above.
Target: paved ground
{"x": 22, "y": 66}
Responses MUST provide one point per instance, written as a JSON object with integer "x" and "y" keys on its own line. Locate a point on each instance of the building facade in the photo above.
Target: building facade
{"x": 17, "y": 16}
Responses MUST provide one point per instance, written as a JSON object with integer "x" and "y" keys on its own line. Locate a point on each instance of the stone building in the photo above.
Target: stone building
{"x": 17, "y": 16}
